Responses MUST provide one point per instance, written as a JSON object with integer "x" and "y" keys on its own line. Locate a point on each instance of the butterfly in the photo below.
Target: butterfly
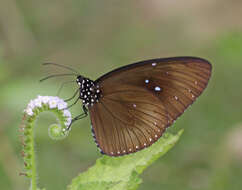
{"x": 132, "y": 106}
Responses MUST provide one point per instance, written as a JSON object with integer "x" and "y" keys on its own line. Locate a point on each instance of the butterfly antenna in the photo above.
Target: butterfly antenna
{"x": 57, "y": 75}
{"x": 62, "y": 66}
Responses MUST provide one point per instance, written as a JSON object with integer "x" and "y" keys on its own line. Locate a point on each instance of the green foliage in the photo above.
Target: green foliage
{"x": 115, "y": 173}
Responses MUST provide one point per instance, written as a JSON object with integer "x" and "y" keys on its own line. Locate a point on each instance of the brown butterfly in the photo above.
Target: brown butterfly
{"x": 131, "y": 107}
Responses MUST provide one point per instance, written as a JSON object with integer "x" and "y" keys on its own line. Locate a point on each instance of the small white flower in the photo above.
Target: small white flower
{"x": 56, "y": 98}
{"x": 45, "y": 99}
{"x": 29, "y": 111}
{"x": 31, "y": 104}
{"x": 62, "y": 105}
{"x": 68, "y": 122}
{"x": 67, "y": 113}
{"x": 52, "y": 103}
{"x": 37, "y": 102}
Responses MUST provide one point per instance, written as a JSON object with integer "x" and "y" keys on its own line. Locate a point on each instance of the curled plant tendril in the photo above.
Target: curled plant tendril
{"x": 56, "y": 131}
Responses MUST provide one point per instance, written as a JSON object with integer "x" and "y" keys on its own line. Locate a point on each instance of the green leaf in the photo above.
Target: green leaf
{"x": 115, "y": 173}
{"x": 97, "y": 185}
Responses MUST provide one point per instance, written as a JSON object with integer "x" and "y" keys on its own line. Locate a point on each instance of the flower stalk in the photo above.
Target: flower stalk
{"x": 56, "y": 131}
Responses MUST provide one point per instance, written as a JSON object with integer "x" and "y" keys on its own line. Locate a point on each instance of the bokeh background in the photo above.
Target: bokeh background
{"x": 97, "y": 36}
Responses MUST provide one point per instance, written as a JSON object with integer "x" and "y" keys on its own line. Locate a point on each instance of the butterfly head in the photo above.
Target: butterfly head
{"x": 89, "y": 92}
{"x": 79, "y": 80}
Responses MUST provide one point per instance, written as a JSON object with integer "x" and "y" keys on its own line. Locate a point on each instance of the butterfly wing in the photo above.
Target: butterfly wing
{"x": 139, "y": 101}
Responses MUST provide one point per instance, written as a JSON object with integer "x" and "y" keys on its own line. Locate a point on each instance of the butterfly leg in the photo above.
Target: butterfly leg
{"x": 73, "y": 103}
{"x": 81, "y": 116}
{"x": 61, "y": 87}
{"x": 72, "y": 96}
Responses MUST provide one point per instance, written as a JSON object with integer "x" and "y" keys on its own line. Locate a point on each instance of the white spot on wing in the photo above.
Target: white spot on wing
{"x": 154, "y": 64}
{"x": 157, "y": 88}
{"x": 176, "y": 98}
{"x": 134, "y": 105}
{"x": 147, "y": 81}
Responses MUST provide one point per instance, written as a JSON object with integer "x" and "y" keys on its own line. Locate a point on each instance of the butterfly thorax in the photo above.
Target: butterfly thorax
{"x": 89, "y": 92}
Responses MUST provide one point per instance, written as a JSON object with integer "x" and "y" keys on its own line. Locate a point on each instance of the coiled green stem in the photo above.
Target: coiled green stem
{"x": 56, "y": 131}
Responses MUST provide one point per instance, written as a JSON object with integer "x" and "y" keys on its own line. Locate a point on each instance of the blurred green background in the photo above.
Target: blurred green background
{"x": 97, "y": 36}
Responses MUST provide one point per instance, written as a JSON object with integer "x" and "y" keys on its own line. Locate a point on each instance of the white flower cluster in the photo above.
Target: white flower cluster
{"x": 52, "y": 102}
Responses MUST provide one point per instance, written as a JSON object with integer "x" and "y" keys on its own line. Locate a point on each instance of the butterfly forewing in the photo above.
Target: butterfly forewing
{"x": 139, "y": 101}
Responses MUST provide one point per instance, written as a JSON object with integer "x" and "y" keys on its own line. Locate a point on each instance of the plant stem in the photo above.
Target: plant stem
{"x": 33, "y": 165}
{"x": 28, "y": 144}
{"x": 56, "y": 131}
